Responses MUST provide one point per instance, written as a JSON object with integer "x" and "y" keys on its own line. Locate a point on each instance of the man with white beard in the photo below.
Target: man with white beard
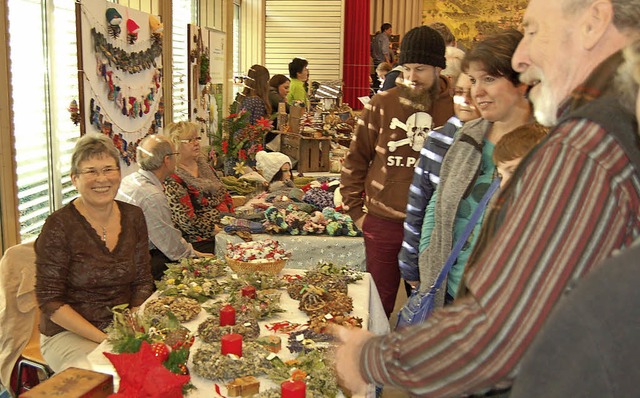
{"x": 573, "y": 202}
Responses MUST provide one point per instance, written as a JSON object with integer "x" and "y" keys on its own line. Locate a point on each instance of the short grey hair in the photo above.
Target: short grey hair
{"x": 627, "y": 80}
{"x": 626, "y": 13}
{"x": 94, "y": 145}
{"x": 151, "y": 152}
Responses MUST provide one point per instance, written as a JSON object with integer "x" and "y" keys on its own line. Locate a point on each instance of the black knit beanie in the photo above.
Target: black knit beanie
{"x": 423, "y": 45}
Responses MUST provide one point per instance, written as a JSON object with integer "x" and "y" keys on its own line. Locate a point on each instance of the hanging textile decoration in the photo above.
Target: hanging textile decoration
{"x": 156, "y": 28}
{"x": 114, "y": 19}
{"x": 75, "y": 112}
{"x": 132, "y": 31}
{"x": 129, "y": 62}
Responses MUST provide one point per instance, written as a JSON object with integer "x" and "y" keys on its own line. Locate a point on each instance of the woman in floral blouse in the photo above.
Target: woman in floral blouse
{"x": 255, "y": 96}
{"x": 195, "y": 193}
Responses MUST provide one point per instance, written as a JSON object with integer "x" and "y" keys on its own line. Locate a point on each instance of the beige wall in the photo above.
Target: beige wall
{"x": 403, "y": 15}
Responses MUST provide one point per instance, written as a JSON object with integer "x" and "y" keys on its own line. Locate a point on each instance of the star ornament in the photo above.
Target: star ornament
{"x": 143, "y": 375}
{"x": 239, "y": 168}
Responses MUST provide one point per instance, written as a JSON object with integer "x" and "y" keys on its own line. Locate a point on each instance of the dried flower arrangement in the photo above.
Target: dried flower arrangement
{"x": 210, "y": 330}
{"x": 265, "y": 305}
{"x": 183, "y": 308}
{"x": 208, "y": 362}
{"x": 192, "y": 278}
{"x": 313, "y": 367}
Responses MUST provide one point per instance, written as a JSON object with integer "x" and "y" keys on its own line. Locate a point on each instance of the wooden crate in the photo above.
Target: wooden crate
{"x": 73, "y": 383}
{"x": 312, "y": 154}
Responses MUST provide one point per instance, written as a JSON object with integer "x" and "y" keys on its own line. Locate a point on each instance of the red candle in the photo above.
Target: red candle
{"x": 227, "y": 316}
{"x": 232, "y": 344}
{"x": 249, "y": 291}
{"x": 293, "y": 389}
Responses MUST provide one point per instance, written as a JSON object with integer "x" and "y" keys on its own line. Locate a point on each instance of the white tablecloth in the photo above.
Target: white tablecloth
{"x": 366, "y": 305}
{"x": 307, "y": 250}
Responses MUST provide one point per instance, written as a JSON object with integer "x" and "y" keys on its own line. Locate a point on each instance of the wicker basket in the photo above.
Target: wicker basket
{"x": 246, "y": 267}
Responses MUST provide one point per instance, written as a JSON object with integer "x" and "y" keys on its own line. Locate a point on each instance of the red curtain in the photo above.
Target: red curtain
{"x": 356, "y": 64}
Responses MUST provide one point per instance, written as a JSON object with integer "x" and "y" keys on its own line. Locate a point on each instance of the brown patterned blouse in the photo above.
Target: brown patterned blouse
{"x": 74, "y": 267}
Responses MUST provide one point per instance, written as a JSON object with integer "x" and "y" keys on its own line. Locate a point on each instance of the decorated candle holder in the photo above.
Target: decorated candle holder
{"x": 293, "y": 389}
{"x": 227, "y": 316}
{"x": 231, "y": 344}
{"x": 249, "y": 291}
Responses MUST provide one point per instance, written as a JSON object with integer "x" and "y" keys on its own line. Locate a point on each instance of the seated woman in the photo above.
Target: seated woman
{"x": 255, "y": 96}
{"x": 278, "y": 91}
{"x": 91, "y": 255}
{"x": 195, "y": 193}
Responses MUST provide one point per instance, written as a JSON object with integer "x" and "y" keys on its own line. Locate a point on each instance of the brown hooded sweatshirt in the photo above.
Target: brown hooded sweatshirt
{"x": 384, "y": 151}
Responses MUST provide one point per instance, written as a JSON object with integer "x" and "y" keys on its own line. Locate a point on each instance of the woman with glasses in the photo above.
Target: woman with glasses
{"x": 195, "y": 193}
{"x": 92, "y": 255}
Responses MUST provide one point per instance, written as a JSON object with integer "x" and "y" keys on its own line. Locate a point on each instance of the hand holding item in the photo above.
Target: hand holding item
{"x": 347, "y": 357}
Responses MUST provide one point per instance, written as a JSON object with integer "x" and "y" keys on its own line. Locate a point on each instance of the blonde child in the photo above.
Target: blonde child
{"x": 511, "y": 148}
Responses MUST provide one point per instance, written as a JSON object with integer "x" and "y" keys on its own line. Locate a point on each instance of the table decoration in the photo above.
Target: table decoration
{"x": 183, "y": 308}
{"x": 227, "y": 315}
{"x": 231, "y": 344}
{"x": 208, "y": 362}
{"x": 293, "y": 389}
{"x": 264, "y": 256}
{"x": 248, "y": 291}
{"x": 259, "y": 280}
{"x": 314, "y": 368}
{"x": 308, "y": 340}
{"x": 243, "y": 387}
{"x": 194, "y": 278}
{"x": 210, "y": 330}
{"x": 265, "y": 305}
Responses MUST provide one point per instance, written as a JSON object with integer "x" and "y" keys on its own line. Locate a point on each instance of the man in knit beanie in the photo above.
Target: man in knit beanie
{"x": 379, "y": 166}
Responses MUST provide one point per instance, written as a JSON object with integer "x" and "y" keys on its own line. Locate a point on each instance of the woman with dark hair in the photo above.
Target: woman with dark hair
{"x": 278, "y": 91}
{"x": 468, "y": 169}
{"x": 255, "y": 96}
{"x": 299, "y": 72}
{"x": 92, "y": 255}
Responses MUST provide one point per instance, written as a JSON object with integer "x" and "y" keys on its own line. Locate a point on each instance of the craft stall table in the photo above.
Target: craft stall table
{"x": 366, "y": 305}
{"x": 308, "y": 250}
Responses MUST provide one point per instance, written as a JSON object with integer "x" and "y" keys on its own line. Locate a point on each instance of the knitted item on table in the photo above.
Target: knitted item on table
{"x": 319, "y": 197}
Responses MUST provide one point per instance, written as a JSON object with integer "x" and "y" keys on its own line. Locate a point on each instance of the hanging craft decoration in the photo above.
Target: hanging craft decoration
{"x": 74, "y": 111}
{"x": 114, "y": 19}
{"x": 129, "y": 62}
{"x": 156, "y": 28}
{"x": 132, "y": 31}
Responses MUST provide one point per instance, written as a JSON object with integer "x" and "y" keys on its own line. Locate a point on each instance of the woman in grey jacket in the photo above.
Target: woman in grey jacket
{"x": 468, "y": 169}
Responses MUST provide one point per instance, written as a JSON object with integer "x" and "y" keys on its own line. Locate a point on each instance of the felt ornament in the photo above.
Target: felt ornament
{"x": 75, "y": 112}
{"x": 156, "y": 28}
{"x": 143, "y": 375}
{"x": 132, "y": 31}
{"x": 114, "y": 19}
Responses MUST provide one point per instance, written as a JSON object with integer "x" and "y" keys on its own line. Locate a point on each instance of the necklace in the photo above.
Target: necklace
{"x": 91, "y": 220}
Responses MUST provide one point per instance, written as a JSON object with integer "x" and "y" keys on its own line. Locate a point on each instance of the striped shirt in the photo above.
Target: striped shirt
{"x": 582, "y": 196}
{"x": 426, "y": 177}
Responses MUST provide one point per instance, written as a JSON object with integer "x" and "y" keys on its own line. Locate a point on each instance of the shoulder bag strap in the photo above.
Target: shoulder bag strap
{"x": 465, "y": 234}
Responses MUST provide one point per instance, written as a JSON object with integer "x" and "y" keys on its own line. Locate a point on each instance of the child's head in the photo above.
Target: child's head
{"x": 274, "y": 166}
{"x": 513, "y": 146}
{"x": 382, "y": 69}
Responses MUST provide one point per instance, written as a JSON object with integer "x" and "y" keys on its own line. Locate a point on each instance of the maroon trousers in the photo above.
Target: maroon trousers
{"x": 382, "y": 242}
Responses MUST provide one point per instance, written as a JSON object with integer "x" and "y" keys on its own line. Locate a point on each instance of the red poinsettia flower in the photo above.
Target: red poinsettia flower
{"x": 264, "y": 123}
{"x": 242, "y": 154}
{"x": 225, "y": 147}
{"x": 142, "y": 375}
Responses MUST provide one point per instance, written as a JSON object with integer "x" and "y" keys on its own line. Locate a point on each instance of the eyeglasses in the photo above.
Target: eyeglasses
{"x": 190, "y": 140}
{"x": 95, "y": 173}
{"x": 173, "y": 153}
{"x": 462, "y": 93}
